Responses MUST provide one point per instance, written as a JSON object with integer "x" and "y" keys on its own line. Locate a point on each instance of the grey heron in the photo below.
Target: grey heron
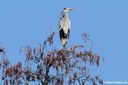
{"x": 64, "y": 26}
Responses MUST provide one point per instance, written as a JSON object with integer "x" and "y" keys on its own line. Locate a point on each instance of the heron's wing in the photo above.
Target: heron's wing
{"x": 68, "y": 33}
{"x": 61, "y": 33}
{"x": 61, "y": 22}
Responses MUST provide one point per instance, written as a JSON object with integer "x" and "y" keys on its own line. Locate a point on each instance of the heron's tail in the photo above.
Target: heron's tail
{"x": 64, "y": 42}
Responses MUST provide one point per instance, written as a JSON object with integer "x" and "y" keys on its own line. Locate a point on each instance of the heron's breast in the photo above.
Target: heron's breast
{"x": 66, "y": 26}
{"x": 65, "y": 30}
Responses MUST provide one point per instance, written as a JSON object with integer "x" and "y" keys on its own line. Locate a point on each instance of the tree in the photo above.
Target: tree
{"x": 52, "y": 67}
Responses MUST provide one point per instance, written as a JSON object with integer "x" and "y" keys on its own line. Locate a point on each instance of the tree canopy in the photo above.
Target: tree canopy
{"x": 67, "y": 65}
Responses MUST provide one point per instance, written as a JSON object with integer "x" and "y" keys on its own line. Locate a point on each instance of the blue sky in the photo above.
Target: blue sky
{"x": 27, "y": 22}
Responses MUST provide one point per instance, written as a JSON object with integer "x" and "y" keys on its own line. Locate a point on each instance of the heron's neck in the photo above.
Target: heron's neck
{"x": 65, "y": 14}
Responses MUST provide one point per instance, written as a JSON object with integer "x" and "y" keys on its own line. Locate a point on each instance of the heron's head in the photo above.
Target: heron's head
{"x": 67, "y": 9}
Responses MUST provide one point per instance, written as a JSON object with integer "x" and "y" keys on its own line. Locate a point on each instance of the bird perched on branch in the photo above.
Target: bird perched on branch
{"x": 64, "y": 26}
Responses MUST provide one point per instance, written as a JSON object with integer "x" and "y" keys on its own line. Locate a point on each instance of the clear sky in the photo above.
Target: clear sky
{"x": 27, "y": 22}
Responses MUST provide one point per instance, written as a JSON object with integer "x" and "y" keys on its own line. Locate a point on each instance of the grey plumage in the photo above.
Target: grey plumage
{"x": 64, "y": 26}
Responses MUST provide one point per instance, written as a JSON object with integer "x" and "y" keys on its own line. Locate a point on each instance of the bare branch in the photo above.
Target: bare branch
{"x": 25, "y": 79}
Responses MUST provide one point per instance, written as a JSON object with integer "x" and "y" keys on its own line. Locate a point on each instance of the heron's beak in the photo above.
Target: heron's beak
{"x": 71, "y": 9}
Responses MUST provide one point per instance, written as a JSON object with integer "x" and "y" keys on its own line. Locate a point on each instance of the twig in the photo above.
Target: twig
{"x": 25, "y": 79}
{"x": 79, "y": 81}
